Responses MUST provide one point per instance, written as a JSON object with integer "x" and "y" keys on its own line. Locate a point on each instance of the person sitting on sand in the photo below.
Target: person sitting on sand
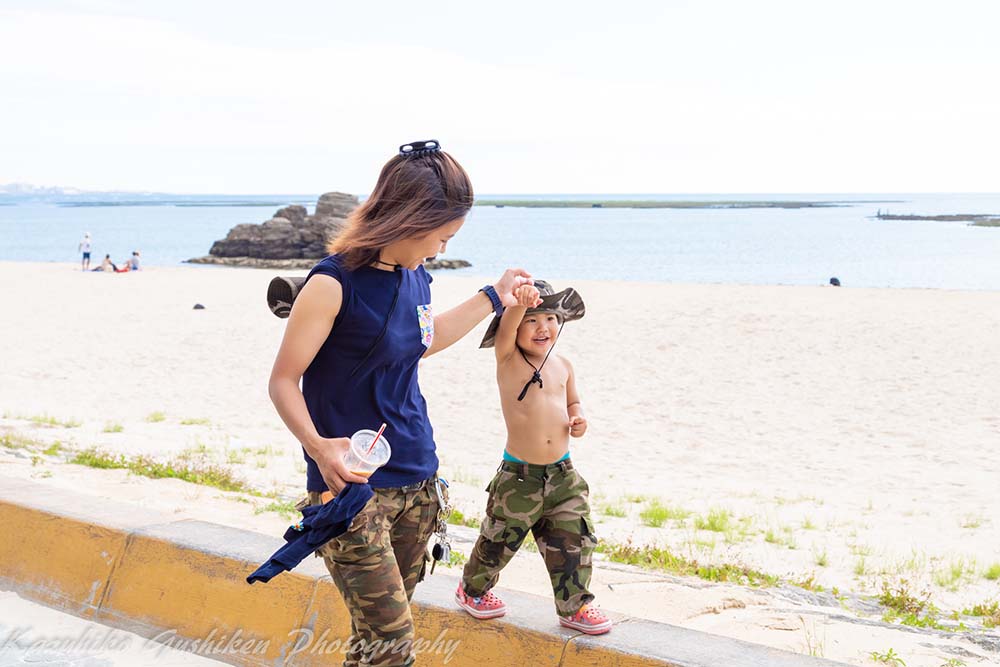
{"x": 133, "y": 263}
{"x": 536, "y": 488}
{"x": 107, "y": 265}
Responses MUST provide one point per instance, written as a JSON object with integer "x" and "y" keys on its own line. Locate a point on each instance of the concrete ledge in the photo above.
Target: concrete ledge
{"x": 176, "y": 580}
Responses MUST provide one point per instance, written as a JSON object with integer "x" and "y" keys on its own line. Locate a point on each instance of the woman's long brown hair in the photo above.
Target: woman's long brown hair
{"x": 414, "y": 195}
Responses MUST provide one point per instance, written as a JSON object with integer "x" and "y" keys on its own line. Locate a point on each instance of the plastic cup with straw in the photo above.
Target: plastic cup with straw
{"x": 369, "y": 450}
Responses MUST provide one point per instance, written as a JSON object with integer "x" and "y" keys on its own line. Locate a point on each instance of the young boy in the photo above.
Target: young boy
{"x": 536, "y": 488}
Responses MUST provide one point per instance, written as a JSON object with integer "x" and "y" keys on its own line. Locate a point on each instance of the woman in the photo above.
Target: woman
{"x": 355, "y": 335}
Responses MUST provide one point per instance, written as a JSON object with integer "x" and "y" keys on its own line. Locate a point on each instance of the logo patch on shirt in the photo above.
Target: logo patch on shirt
{"x": 426, "y": 318}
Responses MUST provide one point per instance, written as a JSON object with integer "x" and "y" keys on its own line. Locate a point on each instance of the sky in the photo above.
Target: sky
{"x": 531, "y": 97}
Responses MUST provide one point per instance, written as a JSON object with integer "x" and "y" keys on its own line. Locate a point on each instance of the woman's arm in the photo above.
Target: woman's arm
{"x": 454, "y": 324}
{"x": 309, "y": 324}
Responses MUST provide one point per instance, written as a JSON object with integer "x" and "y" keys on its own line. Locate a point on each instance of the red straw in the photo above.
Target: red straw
{"x": 377, "y": 436}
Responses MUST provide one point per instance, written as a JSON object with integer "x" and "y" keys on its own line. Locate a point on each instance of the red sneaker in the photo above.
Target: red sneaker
{"x": 487, "y": 606}
{"x": 590, "y": 620}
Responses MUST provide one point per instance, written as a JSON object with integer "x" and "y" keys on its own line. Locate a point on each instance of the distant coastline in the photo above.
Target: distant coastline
{"x": 977, "y": 219}
{"x": 622, "y": 203}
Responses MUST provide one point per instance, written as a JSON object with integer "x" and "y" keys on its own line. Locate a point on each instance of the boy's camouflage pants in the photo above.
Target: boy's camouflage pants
{"x": 376, "y": 564}
{"x": 551, "y": 502}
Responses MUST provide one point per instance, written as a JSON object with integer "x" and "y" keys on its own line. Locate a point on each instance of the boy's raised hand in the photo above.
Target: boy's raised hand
{"x": 577, "y": 426}
{"x": 527, "y": 296}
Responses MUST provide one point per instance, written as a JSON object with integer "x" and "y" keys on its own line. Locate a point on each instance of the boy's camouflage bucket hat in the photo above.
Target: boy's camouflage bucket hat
{"x": 567, "y": 306}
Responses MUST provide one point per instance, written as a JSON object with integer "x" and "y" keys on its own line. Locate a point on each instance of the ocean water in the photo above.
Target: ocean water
{"x": 748, "y": 246}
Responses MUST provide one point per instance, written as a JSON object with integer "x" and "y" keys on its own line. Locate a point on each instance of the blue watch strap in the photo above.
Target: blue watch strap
{"x": 494, "y": 299}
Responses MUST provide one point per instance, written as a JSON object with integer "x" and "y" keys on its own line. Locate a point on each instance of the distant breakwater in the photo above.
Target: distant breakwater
{"x": 977, "y": 219}
{"x": 622, "y": 203}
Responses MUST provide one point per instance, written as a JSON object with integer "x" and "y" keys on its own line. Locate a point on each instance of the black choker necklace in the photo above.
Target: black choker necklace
{"x": 395, "y": 267}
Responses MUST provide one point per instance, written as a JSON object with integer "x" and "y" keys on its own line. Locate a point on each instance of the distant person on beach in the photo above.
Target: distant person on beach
{"x": 130, "y": 264}
{"x": 107, "y": 265}
{"x": 85, "y": 249}
{"x": 356, "y": 333}
{"x": 536, "y": 490}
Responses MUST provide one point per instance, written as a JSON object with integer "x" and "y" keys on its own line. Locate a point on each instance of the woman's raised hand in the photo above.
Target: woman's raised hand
{"x": 509, "y": 282}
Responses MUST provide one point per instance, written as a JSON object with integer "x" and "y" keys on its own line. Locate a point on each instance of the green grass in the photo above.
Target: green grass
{"x": 821, "y": 559}
{"x": 717, "y": 520}
{"x": 113, "y": 427}
{"x": 235, "y": 457}
{"x": 771, "y": 537}
{"x": 955, "y": 573}
{"x": 285, "y": 508}
{"x": 613, "y": 510}
{"x": 196, "y": 421}
{"x": 635, "y": 498}
{"x": 46, "y": 419}
{"x": 17, "y": 441}
{"x": 902, "y": 600}
{"x": 155, "y": 417}
{"x": 456, "y": 558}
{"x": 971, "y": 522}
{"x": 890, "y": 657}
{"x": 207, "y": 475}
{"x": 992, "y": 572}
{"x": 529, "y": 544}
{"x": 656, "y": 514}
{"x": 989, "y": 611}
{"x": 860, "y": 567}
{"x": 53, "y": 449}
{"x": 807, "y": 524}
{"x": 457, "y": 518}
{"x": 657, "y": 558}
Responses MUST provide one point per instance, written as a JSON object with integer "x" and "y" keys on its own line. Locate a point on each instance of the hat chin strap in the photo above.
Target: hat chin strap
{"x": 537, "y": 375}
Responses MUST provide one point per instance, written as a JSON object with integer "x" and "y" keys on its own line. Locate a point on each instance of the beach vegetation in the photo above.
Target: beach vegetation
{"x": 901, "y": 598}
{"x": 462, "y": 476}
{"x": 53, "y": 449}
{"x": 971, "y": 521}
{"x": 183, "y": 469}
{"x": 156, "y": 417}
{"x": 196, "y": 421}
{"x": 656, "y": 514}
{"x": 456, "y": 558}
{"x": 953, "y": 662}
{"x": 988, "y": 611}
{"x": 992, "y": 572}
{"x": 610, "y": 509}
{"x": 457, "y": 518}
{"x": 285, "y": 508}
{"x": 955, "y": 573}
{"x": 890, "y": 657}
{"x": 235, "y": 457}
{"x": 814, "y": 647}
{"x": 860, "y": 567}
{"x": 807, "y": 524}
{"x": 113, "y": 427}
{"x": 858, "y": 549}
{"x": 717, "y": 520}
{"x": 660, "y": 558}
{"x": 529, "y": 544}
{"x": 46, "y": 419}
{"x": 635, "y": 498}
{"x": 821, "y": 558}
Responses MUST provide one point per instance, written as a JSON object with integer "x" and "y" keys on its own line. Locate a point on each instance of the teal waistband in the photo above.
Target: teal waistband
{"x": 513, "y": 459}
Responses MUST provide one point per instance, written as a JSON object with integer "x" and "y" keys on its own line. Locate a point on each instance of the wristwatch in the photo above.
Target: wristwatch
{"x": 494, "y": 299}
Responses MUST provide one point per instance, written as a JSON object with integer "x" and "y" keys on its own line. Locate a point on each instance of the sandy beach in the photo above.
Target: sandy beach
{"x": 839, "y": 440}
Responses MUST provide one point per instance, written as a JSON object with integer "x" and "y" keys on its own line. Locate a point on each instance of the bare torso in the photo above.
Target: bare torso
{"x": 538, "y": 426}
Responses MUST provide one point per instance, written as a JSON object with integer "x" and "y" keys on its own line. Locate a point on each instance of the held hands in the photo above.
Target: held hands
{"x": 331, "y": 465}
{"x": 577, "y": 426}
{"x": 509, "y": 282}
{"x": 527, "y": 296}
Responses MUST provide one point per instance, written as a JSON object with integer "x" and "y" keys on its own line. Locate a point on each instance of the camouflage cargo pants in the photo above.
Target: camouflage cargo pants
{"x": 376, "y": 564}
{"x": 550, "y": 501}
